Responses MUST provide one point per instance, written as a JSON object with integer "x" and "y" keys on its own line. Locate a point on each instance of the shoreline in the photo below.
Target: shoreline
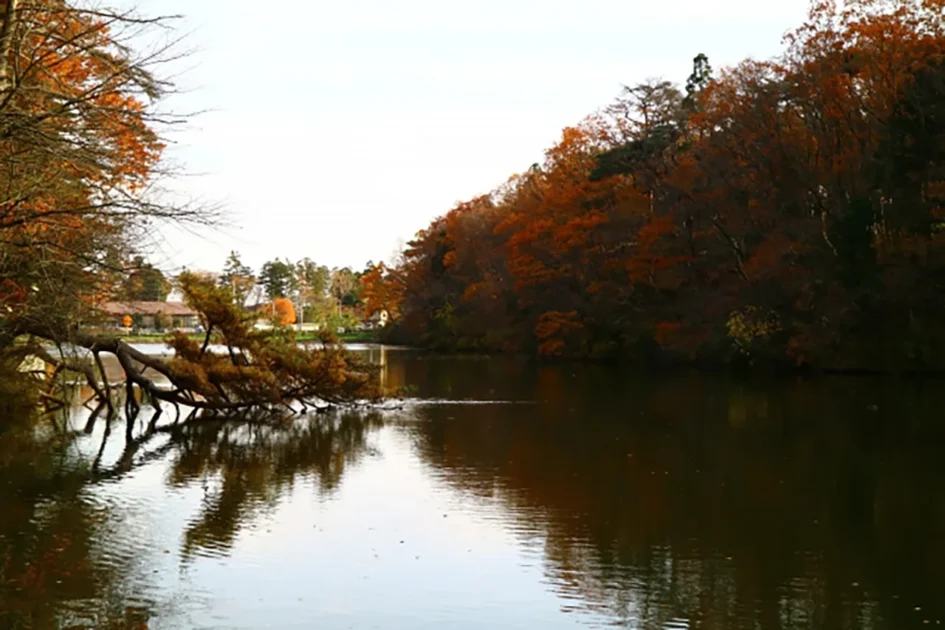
{"x": 760, "y": 366}
{"x": 359, "y": 337}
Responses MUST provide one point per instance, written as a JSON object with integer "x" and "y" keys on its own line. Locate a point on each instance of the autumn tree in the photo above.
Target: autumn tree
{"x": 80, "y": 148}
{"x": 786, "y": 210}
{"x": 249, "y": 371}
{"x": 381, "y": 290}
{"x": 283, "y": 311}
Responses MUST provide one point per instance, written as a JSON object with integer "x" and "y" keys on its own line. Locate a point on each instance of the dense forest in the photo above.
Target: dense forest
{"x": 786, "y": 210}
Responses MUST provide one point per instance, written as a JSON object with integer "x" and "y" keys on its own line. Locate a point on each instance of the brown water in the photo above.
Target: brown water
{"x": 502, "y": 495}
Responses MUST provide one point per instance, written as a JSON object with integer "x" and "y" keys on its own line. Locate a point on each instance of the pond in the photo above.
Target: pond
{"x": 501, "y": 494}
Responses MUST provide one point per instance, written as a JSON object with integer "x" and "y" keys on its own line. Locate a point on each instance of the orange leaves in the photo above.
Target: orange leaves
{"x": 530, "y": 271}
{"x": 852, "y": 64}
{"x": 284, "y": 311}
{"x": 576, "y": 232}
{"x": 652, "y": 231}
{"x": 551, "y": 234}
{"x": 729, "y": 199}
{"x": 76, "y": 77}
{"x": 649, "y": 257}
{"x": 664, "y": 331}
{"x": 574, "y": 151}
{"x": 553, "y": 329}
{"x": 382, "y": 290}
{"x": 80, "y": 94}
{"x": 78, "y": 144}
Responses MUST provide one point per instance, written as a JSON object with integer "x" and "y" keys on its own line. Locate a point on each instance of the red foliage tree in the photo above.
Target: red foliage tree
{"x": 788, "y": 209}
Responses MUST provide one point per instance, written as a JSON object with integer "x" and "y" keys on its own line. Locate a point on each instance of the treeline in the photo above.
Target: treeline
{"x": 313, "y": 293}
{"x": 302, "y": 291}
{"x": 786, "y": 210}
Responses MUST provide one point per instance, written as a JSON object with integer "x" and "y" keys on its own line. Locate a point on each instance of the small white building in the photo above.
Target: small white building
{"x": 378, "y": 319}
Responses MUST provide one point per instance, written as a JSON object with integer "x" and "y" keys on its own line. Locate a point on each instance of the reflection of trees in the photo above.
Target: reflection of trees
{"x": 67, "y": 558}
{"x": 785, "y": 506}
{"x": 49, "y": 534}
{"x": 254, "y": 465}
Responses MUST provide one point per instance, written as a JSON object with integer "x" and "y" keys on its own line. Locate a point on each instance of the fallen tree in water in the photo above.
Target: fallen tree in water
{"x": 256, "y": 372}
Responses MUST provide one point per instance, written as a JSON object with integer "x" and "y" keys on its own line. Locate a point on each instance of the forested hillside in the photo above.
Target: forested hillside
{"x": 785, "y": 210}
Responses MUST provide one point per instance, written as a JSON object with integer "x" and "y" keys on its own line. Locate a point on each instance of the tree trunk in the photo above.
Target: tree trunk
{"x": 7, "y": 28}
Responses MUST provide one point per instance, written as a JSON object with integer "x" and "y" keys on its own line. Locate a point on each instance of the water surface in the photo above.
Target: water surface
{"x": 500, "y": 495}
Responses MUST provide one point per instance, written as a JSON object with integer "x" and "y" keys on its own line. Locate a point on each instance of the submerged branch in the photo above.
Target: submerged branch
{"x": 331, "y": 378}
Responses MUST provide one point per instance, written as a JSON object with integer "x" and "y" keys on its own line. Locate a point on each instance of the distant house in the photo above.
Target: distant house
{"x": 378, "y": 319}
{"x": 176, "y": 315}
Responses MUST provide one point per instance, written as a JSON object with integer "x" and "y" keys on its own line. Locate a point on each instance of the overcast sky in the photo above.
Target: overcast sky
{"x": 338, "y": 129}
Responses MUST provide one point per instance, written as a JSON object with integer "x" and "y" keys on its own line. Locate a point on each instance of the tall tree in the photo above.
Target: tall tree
{"x": 80, "y": 153}
{"x": 80, "y": 148}
{"x": 381, "y": 290}
{"x": 314, "y": 281}
{"x": 145, "y": 283}
{"x": 344, "y": 287}
{"x": 278, "y": 278}
{"x": 700, "y": 78}
{"x": 239, "y": 278}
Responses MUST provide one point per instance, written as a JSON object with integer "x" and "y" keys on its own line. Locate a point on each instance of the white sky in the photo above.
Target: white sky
{"x": 338, "y": 129}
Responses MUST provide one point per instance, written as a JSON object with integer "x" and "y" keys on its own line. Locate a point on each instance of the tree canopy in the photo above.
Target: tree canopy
{"x": 81, "y": 141}
{"x": 145, "y": 282}
{"x": 80, "y": 146}
{"x": 787, "y": 210}
{"x": 238, "y": 277}
{"x": 278, "y": 278}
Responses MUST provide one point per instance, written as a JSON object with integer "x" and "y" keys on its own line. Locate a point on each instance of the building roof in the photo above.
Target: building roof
{"x": 174, "y": 309}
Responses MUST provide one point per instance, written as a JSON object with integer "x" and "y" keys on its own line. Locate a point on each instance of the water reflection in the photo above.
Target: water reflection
{"x": 699, "y": 501}
{"x": 646, "y": 502}
{"x": 52, "y": 569}
{"x": 73, "y": 551}
{"x": 252, "y": 467}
